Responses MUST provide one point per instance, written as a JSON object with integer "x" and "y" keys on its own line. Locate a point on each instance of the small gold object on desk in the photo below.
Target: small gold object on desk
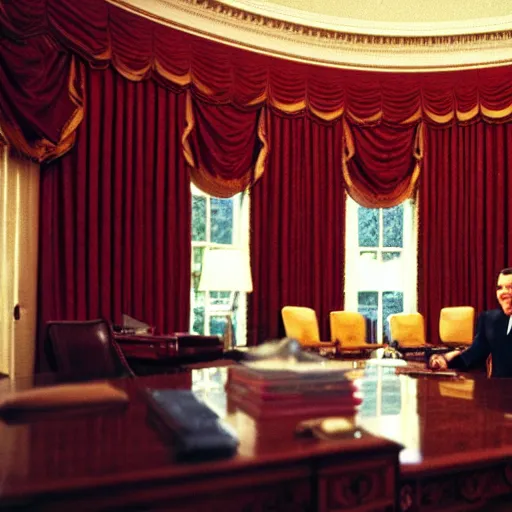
{"x": 327, "y": 428}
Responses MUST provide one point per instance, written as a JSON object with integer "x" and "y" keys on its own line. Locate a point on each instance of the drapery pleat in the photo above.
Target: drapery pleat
{"x": 225, "y": 147}
{"x": 41, "y": 96}
{"x": 297, "y": 226}
{"x": 381, "y": 163}
{"x": 465, "y": 230}
{"x": 115, "y": 211}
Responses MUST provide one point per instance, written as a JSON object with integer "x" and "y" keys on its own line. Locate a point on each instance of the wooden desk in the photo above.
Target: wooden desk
{"x": 116, "y": 461}
{"x": 456, "y": 437}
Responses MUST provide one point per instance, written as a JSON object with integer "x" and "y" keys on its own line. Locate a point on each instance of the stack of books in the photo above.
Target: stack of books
{"x": 264, "y": 390}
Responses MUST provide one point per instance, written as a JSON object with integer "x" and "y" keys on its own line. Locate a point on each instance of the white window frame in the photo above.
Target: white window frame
{"x": 409, "y": 253}
{"x": 240, "y": 241}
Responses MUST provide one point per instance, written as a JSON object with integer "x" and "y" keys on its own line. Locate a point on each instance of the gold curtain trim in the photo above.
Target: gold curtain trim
{"x": 181, "y": 80}
{"x": 259, "y": 168}
{"x": 419, "y": 142}
{"x": 348, "y": 146}
{"x": 439, "y": 119}
{"x": 43, "y": 150}
{"x": 130, "y": 74}
{"x": 400, "y": 194}
{"x": 201, "y": 87}
{"x": 414, "y": 118}
{"x": 76, "y": 72}
{"x": 190, "y": 123}
{"x": 327, "y": 116}
{"x": 289, "y": 108}
{"x": 367, "y": 120}
{"x": 470, "y": 114}
{"x": 496, "y": 114}
{"x": 217, "y": 186}
{"x": 262, "y": 98}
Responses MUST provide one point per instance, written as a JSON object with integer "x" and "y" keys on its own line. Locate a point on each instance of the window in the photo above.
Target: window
{"x": 380, "y": 274}
{"x": 216, "y": 222}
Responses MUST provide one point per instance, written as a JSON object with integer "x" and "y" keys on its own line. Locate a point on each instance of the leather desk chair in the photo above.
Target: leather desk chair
{"x": 407, "y": 330}
{"x": 348, "y": 328}
{"x": 456, "y": 326}
{"x": 84, "y": 351}
{"x": 301, "y": 324}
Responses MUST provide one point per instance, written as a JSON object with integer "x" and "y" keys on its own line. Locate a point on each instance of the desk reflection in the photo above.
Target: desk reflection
{"x": 389, "y": 409}
{"x": 436, "y": 418}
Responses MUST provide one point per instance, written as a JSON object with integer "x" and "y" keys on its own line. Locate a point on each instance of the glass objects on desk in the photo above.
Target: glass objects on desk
{"x": 208, "y": 384}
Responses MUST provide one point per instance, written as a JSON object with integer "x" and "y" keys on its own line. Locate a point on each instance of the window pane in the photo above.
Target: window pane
{"x": 392, "y": 302}
{"x": 221, "y": 227}
{"x": 393, "y": 393}
{"x": 217, "y": 325}
{"x": 367, "y": 305}
{"x": 391, "y": 255}
{"x": 197, "y": 259}
{"x": 368, "y": 255}
{"x": 368, "y": 270}
{"x": 393, "y": 226}
{"x": 368, "y": 227}
{"x": 220, "y": 300}
{"x": 198, "y": 219}
{"x": 198, "y": 320}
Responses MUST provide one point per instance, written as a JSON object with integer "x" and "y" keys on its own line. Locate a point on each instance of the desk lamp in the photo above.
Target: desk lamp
{"x": 226, "y": 270}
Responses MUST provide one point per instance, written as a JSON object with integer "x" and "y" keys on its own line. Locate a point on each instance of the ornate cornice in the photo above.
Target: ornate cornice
{"x": 336, "y": 42}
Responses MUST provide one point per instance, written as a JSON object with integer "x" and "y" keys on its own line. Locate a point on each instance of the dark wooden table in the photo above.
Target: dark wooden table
{"x": 115, "y": 461}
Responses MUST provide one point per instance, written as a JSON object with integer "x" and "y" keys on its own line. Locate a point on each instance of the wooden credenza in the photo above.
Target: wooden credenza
{"x": 148, "y": 354}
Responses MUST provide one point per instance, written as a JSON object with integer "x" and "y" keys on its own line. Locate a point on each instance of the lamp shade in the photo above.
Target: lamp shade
{"x": 226, "y": 270}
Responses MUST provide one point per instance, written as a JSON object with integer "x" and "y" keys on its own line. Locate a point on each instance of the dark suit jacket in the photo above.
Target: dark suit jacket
{"x": 491, "y": 338}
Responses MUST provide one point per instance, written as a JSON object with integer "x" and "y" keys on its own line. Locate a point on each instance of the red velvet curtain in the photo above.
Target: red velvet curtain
{"x": 296, "y": 211}
{"x": 37, "y": 33}
{"x": 381, "y": 163}
{"x": 225, "y": 147}
{"x": 465, "y": 231}
{"x": 115, "y": 212}
{"x": 297, "y": 225}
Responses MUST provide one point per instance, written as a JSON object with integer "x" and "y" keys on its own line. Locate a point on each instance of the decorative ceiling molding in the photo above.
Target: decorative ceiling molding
{"x": 337, "y": 42}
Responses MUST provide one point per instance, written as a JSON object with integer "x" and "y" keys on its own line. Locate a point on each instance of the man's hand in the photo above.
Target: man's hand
{"x": 438, "y": 362}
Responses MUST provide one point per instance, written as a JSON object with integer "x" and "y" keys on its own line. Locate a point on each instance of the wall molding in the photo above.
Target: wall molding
{"x": 332, "y": 42}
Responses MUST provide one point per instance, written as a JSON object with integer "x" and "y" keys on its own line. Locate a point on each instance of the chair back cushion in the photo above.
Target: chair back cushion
{"x": 407, "y": 329}
{"x": 456, "y": 325}
{"x": 83, "y": 350}
{"x": 348, "y": 327}
{"x": 300, "y": 323}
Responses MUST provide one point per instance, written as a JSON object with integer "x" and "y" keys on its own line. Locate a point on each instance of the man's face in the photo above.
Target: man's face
{"x": 504, "y": 293}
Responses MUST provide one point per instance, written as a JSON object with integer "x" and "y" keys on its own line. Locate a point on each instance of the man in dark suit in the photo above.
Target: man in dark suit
{"x": 493, "y": 336}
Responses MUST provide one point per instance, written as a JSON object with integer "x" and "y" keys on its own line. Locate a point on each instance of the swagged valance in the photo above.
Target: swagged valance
{"x": 45, "y": 44}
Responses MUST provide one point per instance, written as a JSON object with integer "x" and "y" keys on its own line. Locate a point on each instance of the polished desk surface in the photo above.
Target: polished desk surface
{"x": 441, "y": 422}
{"x": 62, "y": 452}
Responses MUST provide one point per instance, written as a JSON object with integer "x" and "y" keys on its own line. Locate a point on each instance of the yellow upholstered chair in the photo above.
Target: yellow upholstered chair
{"x": 300, "y": 323}
{"x": 408, "y": 330}
{"x": 348, "y": 328}
{"x": 456, "y": 326}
